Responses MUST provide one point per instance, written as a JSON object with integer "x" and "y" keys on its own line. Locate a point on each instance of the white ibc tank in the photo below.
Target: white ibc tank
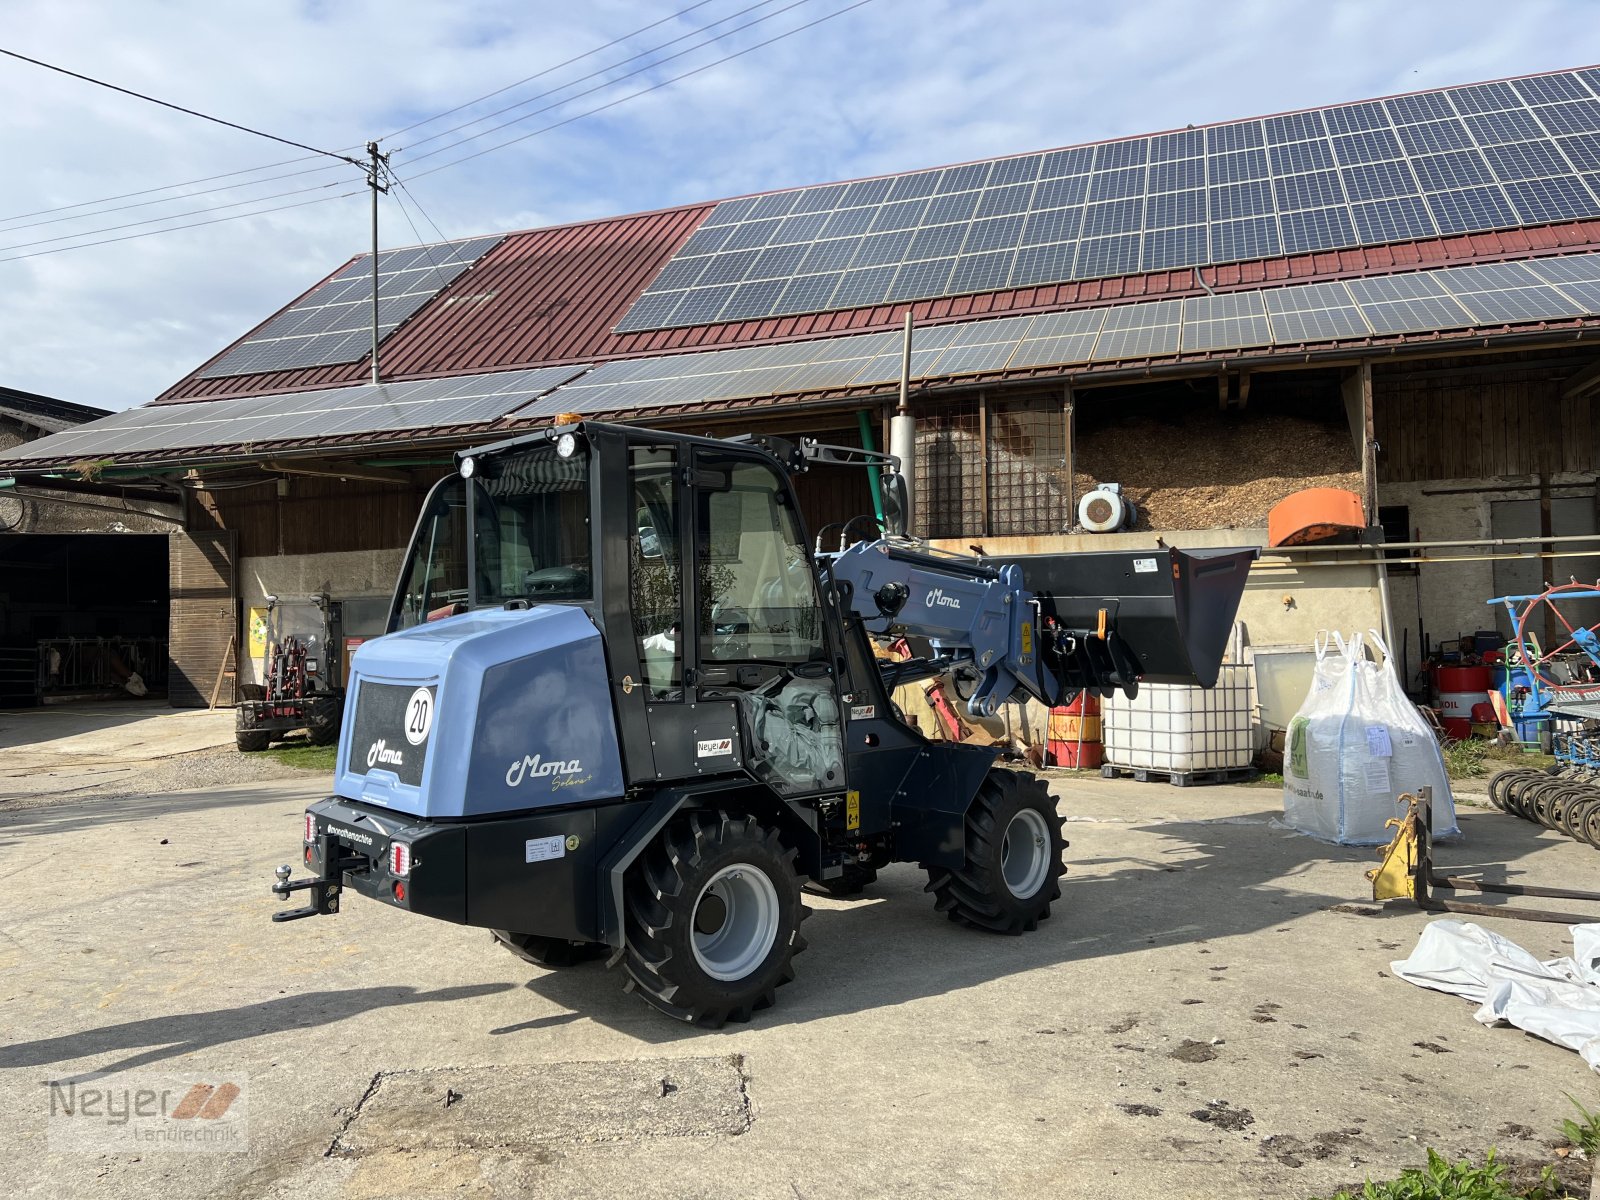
{"x": 1175, "y": 728}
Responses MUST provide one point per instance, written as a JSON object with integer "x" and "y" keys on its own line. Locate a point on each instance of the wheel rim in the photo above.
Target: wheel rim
{"x": 735, "y": 922}
{"x": 1025, "y": 853}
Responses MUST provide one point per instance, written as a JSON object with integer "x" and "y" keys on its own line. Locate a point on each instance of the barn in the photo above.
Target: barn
{"x": 1398, "y": 296}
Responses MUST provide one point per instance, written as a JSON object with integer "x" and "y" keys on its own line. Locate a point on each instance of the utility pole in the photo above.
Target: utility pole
{"x": 377, "y": 162}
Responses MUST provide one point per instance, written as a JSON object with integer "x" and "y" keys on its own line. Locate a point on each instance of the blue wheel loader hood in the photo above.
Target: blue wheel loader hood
{"x": 485, "y": 713}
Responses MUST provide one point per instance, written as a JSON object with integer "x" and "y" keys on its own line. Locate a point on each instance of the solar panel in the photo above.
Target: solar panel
{"x": 1140, "y": 330}
{"x": 1223, "y": 322}
{"x": 1454, "y": 160}
{"x": 326, "y": 412}
{"x": 1507, "y": 292}
{"x": 1313, "y": 312}
{"x": 333, "y": 323}
{"x": 1407, "y": 303}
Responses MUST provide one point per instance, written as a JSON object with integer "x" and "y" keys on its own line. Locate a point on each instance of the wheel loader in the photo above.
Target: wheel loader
{"x": 627, "y": 709}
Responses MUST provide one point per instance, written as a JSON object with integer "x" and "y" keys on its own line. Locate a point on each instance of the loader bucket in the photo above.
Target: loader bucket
{"x": 1172, "y": 609}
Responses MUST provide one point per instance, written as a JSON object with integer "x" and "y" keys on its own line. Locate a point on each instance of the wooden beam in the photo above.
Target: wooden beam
{"x": 1581, "y": 384}
{"x": 340, "y": 470}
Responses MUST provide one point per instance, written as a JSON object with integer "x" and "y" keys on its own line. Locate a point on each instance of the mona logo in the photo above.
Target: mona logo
{"x": 937, "y": 599}
{"x": 530, "y": 767}
{"x": 380, "y": 753}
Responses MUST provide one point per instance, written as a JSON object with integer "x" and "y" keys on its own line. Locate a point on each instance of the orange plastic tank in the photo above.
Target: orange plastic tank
{"x": 1314, "y": 515}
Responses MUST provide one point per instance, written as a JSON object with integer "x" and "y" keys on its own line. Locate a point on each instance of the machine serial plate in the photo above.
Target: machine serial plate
{"x": 545, "y": 848}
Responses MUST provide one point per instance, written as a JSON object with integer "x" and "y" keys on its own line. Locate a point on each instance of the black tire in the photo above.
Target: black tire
{"x": 978, "y": 894}
{"x": 248, "y": 738}
{"x": 1572, "y": 821}
{"x": 322, "y": 719}
{"x": 853, "y": 882}
{"x": 681, "y": 896}
{"x": 1500, "y": 782}
{"x": 549, "y": 952}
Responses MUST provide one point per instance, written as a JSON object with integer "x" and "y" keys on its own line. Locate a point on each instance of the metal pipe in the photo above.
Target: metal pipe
{"x": 1425, "y": 545}
{"x": 372, "y": 149}
{"x": 1453, "y": 558}
{"x": 903, "y": 430}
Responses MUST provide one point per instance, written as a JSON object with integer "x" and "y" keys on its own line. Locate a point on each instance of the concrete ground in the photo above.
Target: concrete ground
{"x": 1201, "y": 1017}
{"x": 61, "y": 749}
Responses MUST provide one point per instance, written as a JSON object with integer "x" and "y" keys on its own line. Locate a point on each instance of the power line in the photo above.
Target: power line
{"x": 540, "y": 74}
{"x": 68, "y": 208}
{"x": 624, "y": 99}
{"x": 166, "y": 188}
{"x": 101, "y": 212}
{"x": 194, "y": 212}
{"x": 432, "y": 137}
{"x": 128, "y": 237}
{"x": 177, "y": 107}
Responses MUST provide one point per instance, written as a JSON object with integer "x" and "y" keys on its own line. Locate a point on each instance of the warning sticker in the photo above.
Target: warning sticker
{"x": 715, "y": 748}
{"x": 544, "y": 849}
{"x": 863, "y": 712}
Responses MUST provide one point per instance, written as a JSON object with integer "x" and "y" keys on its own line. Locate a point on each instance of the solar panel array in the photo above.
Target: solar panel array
{"x": 333, "y": 324}
{"x": 1487, "y": 295}
{"x": 1486, "y": 156}
{"x": 328, "y": 412}
{"x": 1452, "y": 298}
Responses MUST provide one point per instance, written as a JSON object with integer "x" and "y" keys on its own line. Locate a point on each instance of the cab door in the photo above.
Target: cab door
{"x": 758, "y": 635}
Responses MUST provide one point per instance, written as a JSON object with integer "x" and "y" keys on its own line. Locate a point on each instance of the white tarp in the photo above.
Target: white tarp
{"x": 1356, "y": 744}
{"x": 1558, "y": 1000}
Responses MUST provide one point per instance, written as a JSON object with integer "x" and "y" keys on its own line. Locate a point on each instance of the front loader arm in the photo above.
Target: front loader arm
{"x": 1097, "y": 620}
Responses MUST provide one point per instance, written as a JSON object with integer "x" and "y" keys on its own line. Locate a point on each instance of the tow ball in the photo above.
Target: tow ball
{"x": 324, "y": 892}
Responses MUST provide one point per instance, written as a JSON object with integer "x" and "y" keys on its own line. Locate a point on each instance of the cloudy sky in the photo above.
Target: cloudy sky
{"x": 887, "y": 86}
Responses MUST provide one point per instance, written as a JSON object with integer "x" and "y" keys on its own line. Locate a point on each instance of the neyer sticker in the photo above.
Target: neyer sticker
{"x": 715, "y": 748}
{"x": 863, "y": 712}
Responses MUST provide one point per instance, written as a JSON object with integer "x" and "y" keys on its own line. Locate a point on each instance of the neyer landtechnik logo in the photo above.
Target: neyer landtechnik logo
{"x": 146, "y": 1112}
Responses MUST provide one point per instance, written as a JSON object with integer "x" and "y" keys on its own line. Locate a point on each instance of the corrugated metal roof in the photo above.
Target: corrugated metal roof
{"x": 546, "y": 296}
{"x": 554, "y": 296}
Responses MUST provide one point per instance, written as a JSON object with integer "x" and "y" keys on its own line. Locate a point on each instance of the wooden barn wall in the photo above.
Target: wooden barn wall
{"x": 1475, "y": 425}
{"x": 318, "y": 515}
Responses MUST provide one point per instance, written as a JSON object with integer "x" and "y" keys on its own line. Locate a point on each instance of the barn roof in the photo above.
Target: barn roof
{"x": 1220, "y": 239}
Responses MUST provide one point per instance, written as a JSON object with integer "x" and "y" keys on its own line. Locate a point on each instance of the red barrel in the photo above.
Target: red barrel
{"x": 1073, "y": 734}
{"x": 1459, "y": 689}
{"x": 1076, "y": 754}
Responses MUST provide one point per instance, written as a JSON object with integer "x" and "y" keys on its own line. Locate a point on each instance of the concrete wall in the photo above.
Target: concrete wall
{"x": 1453, "y": 595}
{"x": 343, "y": 575}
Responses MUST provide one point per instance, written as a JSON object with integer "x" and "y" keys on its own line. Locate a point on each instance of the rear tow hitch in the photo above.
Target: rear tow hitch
{"x": 324, "y": 894}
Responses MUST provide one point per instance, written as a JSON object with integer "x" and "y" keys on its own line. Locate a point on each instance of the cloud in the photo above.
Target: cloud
{"x": 897, "y": 85}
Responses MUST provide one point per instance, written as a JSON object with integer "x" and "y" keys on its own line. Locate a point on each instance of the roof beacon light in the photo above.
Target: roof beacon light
{"x": 399, "y": 859}
{"x": 567, "y": 418}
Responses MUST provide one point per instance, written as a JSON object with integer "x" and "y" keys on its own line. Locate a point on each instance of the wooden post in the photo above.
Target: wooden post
{"x": 1369, "y": 445}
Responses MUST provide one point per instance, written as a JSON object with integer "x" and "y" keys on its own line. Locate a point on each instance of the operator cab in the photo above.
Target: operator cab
{"x": 690, "y": 558}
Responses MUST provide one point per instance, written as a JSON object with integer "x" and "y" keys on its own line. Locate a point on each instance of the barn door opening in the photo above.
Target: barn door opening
{"x": 205, "y": 616}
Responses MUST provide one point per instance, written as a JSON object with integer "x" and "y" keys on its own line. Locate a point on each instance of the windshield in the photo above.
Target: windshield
{"x": 531, "y": 517}
{"x": 531, "y": 514}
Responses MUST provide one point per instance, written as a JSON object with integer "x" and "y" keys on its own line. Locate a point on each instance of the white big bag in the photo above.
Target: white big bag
{"x": 1355, "y": 745}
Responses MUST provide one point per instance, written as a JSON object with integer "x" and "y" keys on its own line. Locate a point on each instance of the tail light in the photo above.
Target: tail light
{"x": 311, "y": 828}
{"x": 399, "y": 860}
